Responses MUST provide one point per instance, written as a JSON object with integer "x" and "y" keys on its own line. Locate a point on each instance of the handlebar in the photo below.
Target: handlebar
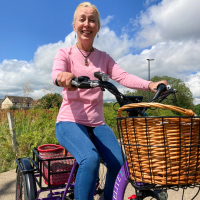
{"x": 84, "y": 82}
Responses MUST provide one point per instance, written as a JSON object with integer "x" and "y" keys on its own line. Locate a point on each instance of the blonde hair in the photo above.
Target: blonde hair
{"x": 87, "y": 4}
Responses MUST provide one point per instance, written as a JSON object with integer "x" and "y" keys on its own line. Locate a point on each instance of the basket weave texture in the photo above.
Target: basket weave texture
{"x": 52, "y": 151}
{"x": 162, "y": 150}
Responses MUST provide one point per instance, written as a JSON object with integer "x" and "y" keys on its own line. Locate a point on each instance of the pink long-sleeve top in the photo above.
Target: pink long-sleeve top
{"x": 85, "y": 106}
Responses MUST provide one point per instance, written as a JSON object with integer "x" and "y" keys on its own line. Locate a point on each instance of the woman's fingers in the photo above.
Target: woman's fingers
{"x": 64, "y": 80}
{"x": 153, "y": 85}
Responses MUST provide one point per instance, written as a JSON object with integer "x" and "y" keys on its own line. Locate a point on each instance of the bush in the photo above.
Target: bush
{"x": 32, "y": 128}
{"x": 14, "y": 107}
{"x": 110, "y": 117}
{"x": 50, "y": 100}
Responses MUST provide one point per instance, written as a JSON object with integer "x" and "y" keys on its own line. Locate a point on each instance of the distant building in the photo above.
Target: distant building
{"x": 19, "y": 102}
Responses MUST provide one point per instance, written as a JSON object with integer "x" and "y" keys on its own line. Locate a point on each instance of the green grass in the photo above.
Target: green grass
{"x": 33, "y": 128}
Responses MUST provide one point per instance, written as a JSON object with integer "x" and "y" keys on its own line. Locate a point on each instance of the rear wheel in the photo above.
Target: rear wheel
{"x": 101, "y": 180}
{"x": 21, "y": 192}
{"x": 25, "y": 183}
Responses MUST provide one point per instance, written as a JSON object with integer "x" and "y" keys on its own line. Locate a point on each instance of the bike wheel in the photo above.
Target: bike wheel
{"x": 25, "y": 183}
{"x": 21, "y": 191}
{"x": 101, "y": 180}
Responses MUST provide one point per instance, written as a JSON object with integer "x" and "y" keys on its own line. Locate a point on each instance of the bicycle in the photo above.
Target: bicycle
{"x": 28, "y": 169}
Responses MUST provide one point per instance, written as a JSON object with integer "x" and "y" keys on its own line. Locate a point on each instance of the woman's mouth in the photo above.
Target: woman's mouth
{"x": 86, "y": 32}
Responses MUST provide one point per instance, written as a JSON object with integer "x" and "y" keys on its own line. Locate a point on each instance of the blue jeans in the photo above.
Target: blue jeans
{"x": 75, "y": 138}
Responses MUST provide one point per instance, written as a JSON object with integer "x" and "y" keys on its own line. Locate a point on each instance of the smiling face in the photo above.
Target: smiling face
{"x": 86, "y": 25}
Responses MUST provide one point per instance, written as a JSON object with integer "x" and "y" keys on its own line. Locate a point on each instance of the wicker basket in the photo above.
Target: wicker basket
{"x": 161, "y": 150}
{"x": 49, "y": 152}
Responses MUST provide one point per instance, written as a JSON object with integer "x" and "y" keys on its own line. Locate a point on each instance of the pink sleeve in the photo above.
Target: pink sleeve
{"x": 128, "y": 80}
{"x": 60, "y": 64}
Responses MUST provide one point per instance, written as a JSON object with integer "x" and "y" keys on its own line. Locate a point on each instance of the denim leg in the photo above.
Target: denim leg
{"x": 75, "y": 139}
{"x": 110, "y": 151}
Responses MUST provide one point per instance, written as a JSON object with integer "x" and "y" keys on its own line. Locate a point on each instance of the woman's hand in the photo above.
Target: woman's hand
{"x": 64, "y": 80}
{"x": 153, "y": 85}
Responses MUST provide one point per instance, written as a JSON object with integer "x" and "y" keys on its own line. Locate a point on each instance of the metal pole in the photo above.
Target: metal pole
{"x": 149, "y": 76}
{"x": 12, "y": 132}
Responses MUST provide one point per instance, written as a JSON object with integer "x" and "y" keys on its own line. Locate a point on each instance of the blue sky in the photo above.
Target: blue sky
{"x": 32, "y": 31}
{"x": 25, "y": 25}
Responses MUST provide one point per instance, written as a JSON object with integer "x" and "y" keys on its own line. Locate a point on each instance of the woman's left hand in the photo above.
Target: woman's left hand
{"x": 153, "y": 85}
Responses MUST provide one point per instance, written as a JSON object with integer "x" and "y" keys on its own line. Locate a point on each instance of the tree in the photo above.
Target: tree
{"x": 184, "y": 98}
{"x": 13, "y": 107}
{"x": 50, "y": 100}
{"x": 197, "y": 109}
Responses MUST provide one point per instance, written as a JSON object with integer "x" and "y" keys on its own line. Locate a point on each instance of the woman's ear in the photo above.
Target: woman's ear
{"x": 98, "y": 28}
{"x": 74, "y": 27}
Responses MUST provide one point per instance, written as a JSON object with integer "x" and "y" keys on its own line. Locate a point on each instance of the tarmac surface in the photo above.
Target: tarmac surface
{"x": 7, "y": 189}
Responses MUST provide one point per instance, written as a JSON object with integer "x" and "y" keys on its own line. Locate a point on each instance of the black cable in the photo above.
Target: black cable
{"x": 183, "y": 193}
{"x": 196, "y": 194}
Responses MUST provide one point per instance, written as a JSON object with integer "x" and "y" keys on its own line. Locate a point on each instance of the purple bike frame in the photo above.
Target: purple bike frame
{"x": 68, "y": 185}
{"x": 120, "y": 183}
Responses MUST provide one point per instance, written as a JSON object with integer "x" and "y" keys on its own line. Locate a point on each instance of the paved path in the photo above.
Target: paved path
{"x": 7, "y": 185}
{"x": 7, "y": 189}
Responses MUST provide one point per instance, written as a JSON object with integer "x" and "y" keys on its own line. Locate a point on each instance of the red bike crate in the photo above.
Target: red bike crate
{"x": 49, "y": 152}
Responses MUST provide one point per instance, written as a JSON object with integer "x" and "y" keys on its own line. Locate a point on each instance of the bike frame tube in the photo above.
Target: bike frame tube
{"x": 121, "y": 183}
{"x": 69, "y": 180}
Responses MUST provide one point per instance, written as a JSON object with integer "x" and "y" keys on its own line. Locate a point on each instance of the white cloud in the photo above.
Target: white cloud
{"x": 10, "y": 82}
{"x": 14, "y": 75}
{"x": 44, "y": 56}
{"x": 193, "y": 82}
{"x": 170, "y": 58}
{"x": 169, "y": 20}
{"x": 105, "y": 22}
{"x": 109, "y": 42}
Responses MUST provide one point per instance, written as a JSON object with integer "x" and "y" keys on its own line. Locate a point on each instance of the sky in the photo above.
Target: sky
{"x": 132, "y": 31}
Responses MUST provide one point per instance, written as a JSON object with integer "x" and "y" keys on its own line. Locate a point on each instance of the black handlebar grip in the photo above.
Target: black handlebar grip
{"x": 98, "y": 75}
{"x": 82, "y": 82}
{"x": 101, "y": 76}
{"x": 56, "y": 82}
{"x": 160, "y": 89}
{"x": 74, "y": 82}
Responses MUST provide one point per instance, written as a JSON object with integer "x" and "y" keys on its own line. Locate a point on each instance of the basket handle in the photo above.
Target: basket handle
{"x": 157, "y": 105}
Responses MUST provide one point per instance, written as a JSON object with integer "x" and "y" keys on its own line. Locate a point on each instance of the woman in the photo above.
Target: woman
{"x": 81, "y": 112}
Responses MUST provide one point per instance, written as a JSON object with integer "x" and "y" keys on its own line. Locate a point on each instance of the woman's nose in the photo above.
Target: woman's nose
{"x": 86, "y": 23}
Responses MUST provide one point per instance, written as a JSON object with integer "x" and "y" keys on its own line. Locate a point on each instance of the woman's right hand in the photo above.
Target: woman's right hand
{"x": 64, "y": 80}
